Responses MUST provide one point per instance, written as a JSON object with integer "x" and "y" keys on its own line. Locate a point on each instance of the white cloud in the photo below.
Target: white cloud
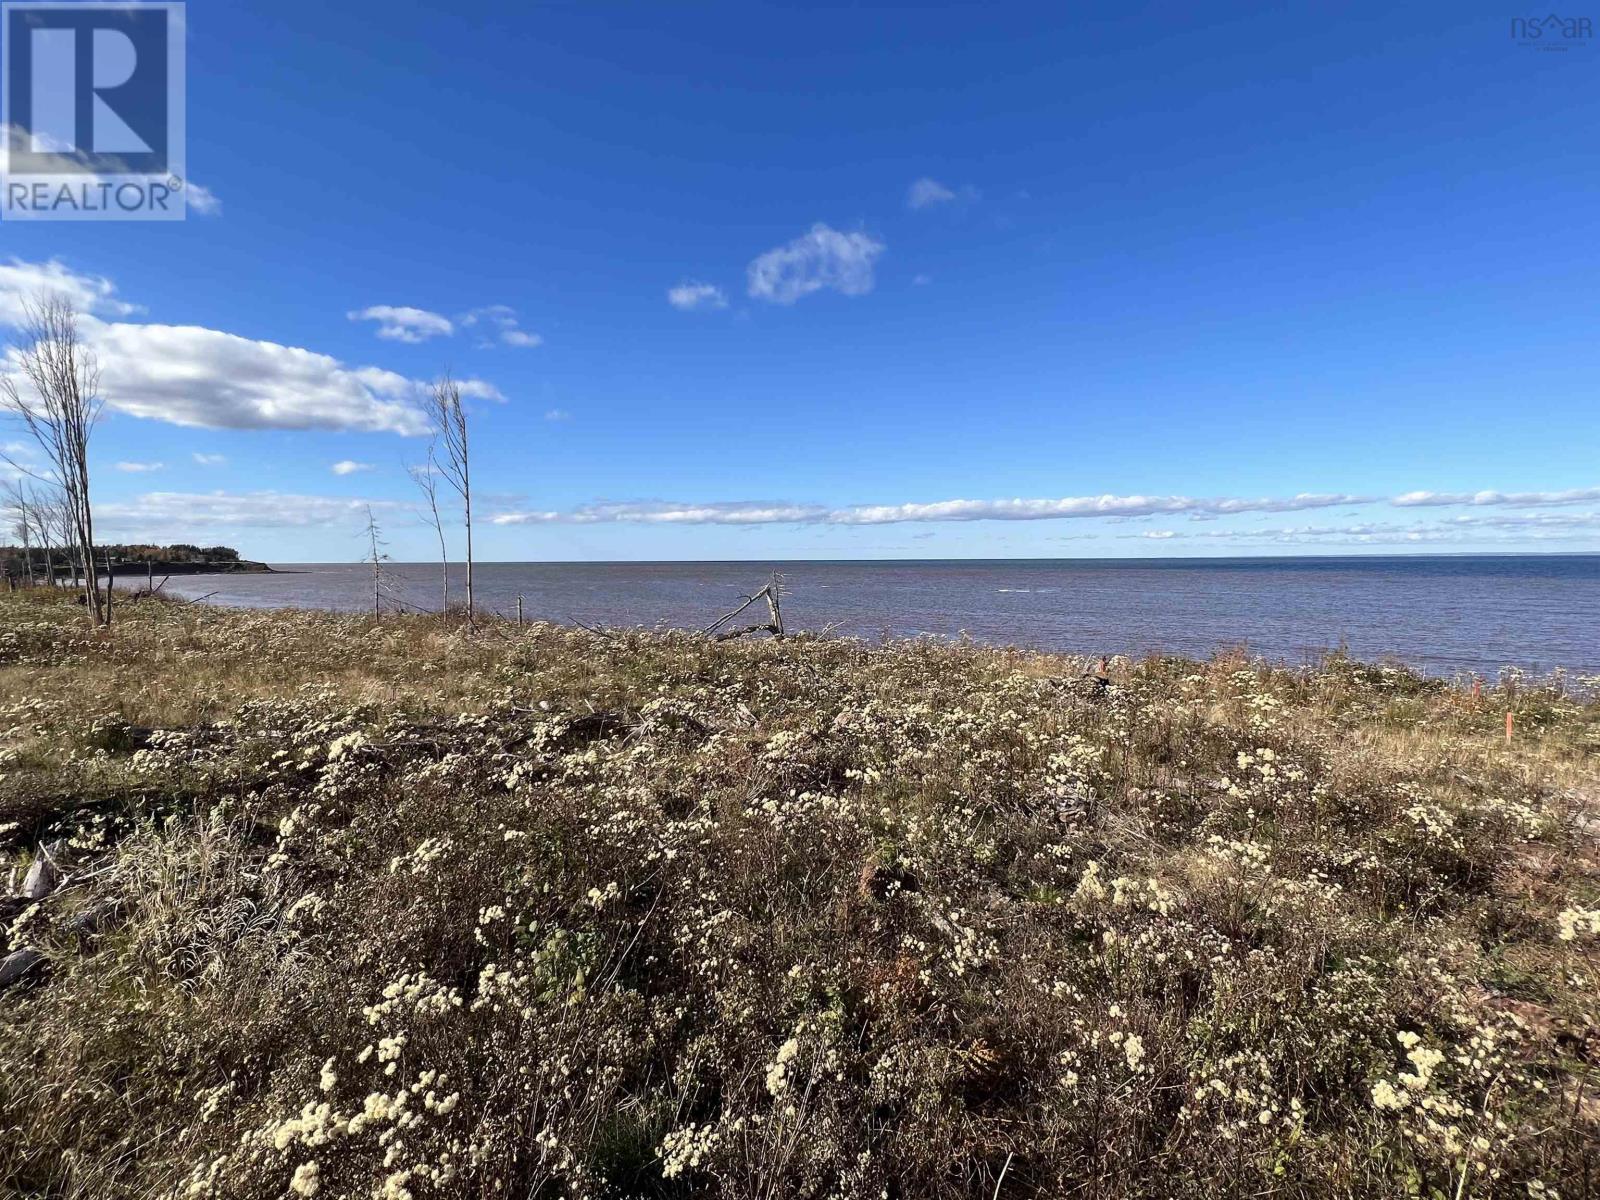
{"x": 500, "y": 322}
{"x": 690, "y": 295}
{"x": 349, "y": 467}
{"x": 203, "y": 200}
{"x": 780, "y": 513}
{"x": 822, "y": 258}
{"x": 193, "y": 376}
{"x": 1115, "y": 508}
{"x": 1464, "y": 529}
{"x": 1507, "y": 499}
{"x": 210, "y": 460}
{"x": 1077, "y": 506}
{"x": 188, "y": 375}
{"x": 266, "y": 509}
{"x": 926, "y": 192}
{"x": 400, "y": 323}
{"x": 558, "y": 414}
{"x": 137, "y": 467}
{"x": 21, "y": 282}
{"x": 657, "y": 513}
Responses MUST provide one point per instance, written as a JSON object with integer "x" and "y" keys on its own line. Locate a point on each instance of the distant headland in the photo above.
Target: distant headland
{"x": 57, "y": 563}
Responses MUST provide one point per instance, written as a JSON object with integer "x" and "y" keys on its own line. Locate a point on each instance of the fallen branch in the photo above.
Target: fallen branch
{"x": 774, "y": 624}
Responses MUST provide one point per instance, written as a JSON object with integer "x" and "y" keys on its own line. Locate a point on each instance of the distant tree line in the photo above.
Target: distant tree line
{"x": 30, "y": 561}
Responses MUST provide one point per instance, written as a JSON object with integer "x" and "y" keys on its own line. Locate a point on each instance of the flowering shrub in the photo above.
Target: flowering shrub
{"x": 362, "y": 910}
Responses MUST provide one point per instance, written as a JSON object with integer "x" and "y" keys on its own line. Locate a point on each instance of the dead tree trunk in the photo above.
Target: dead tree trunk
{"x": 774, "y": 624}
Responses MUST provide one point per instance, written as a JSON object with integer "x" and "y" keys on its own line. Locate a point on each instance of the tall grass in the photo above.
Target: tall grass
{"x": 357, "y": 909}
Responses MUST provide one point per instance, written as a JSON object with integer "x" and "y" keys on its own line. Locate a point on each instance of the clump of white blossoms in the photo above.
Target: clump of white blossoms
{"x": 778, "y": 1071}
{"x": 306, "y": 1180}
{"x": 1577, "y": 922}
{"x": 685, "y": 1149}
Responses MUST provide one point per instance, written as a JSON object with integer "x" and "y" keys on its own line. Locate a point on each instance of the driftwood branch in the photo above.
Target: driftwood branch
{"x": 773, "y": 625}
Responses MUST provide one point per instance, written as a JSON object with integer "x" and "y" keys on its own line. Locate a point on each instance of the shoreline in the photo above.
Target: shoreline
{"x": 1310, "y": 659}
{"x": 1442, "y": 616}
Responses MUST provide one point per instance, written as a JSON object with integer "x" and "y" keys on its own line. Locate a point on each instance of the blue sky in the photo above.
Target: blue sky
{"x": 740, "y": 281}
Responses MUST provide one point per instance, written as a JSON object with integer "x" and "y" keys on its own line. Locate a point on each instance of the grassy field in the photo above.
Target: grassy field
{"x": 344, "y": 909}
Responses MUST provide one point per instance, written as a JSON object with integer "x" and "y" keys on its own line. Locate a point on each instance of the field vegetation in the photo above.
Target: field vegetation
{"x": 304, "y": 905}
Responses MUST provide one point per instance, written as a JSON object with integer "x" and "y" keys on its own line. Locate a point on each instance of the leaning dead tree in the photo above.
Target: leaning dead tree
{"x": 449, "y": 420}
{"x": 773, "y": 594}
{"x": 426, "y": 477}
{"x": 54, "y": 389}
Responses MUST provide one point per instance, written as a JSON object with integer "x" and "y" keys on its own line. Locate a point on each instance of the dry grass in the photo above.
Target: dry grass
{"x": 381, "y": 910}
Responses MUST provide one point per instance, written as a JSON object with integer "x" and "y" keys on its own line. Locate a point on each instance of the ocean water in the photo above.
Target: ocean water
{"x": 1442, "y": 614}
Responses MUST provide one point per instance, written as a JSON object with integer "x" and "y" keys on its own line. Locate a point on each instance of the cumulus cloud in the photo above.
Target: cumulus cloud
{"x": 401, "y": 323}
{"x": 189, "y": 375}
{"x": 690, "y": 295}
{"x": 21, "y": 282}
{"x": 349, "y": 467}
{"x": 206, "y": 378}
{"x": 256, "y": 510}
{"x": 822, "y": 258}
{"x": 138, "y": 467}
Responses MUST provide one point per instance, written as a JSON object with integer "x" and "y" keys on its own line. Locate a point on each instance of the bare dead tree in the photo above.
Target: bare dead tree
{"x": 772, "y": 594}
{"x": 449, "y": 420}
{"x": 57, "y": 522}
{"x": 377, "y": 557}
{"x": 426, "y": 477}
{"x": 22, "y": 523}
{"x": 55, "y": 392}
